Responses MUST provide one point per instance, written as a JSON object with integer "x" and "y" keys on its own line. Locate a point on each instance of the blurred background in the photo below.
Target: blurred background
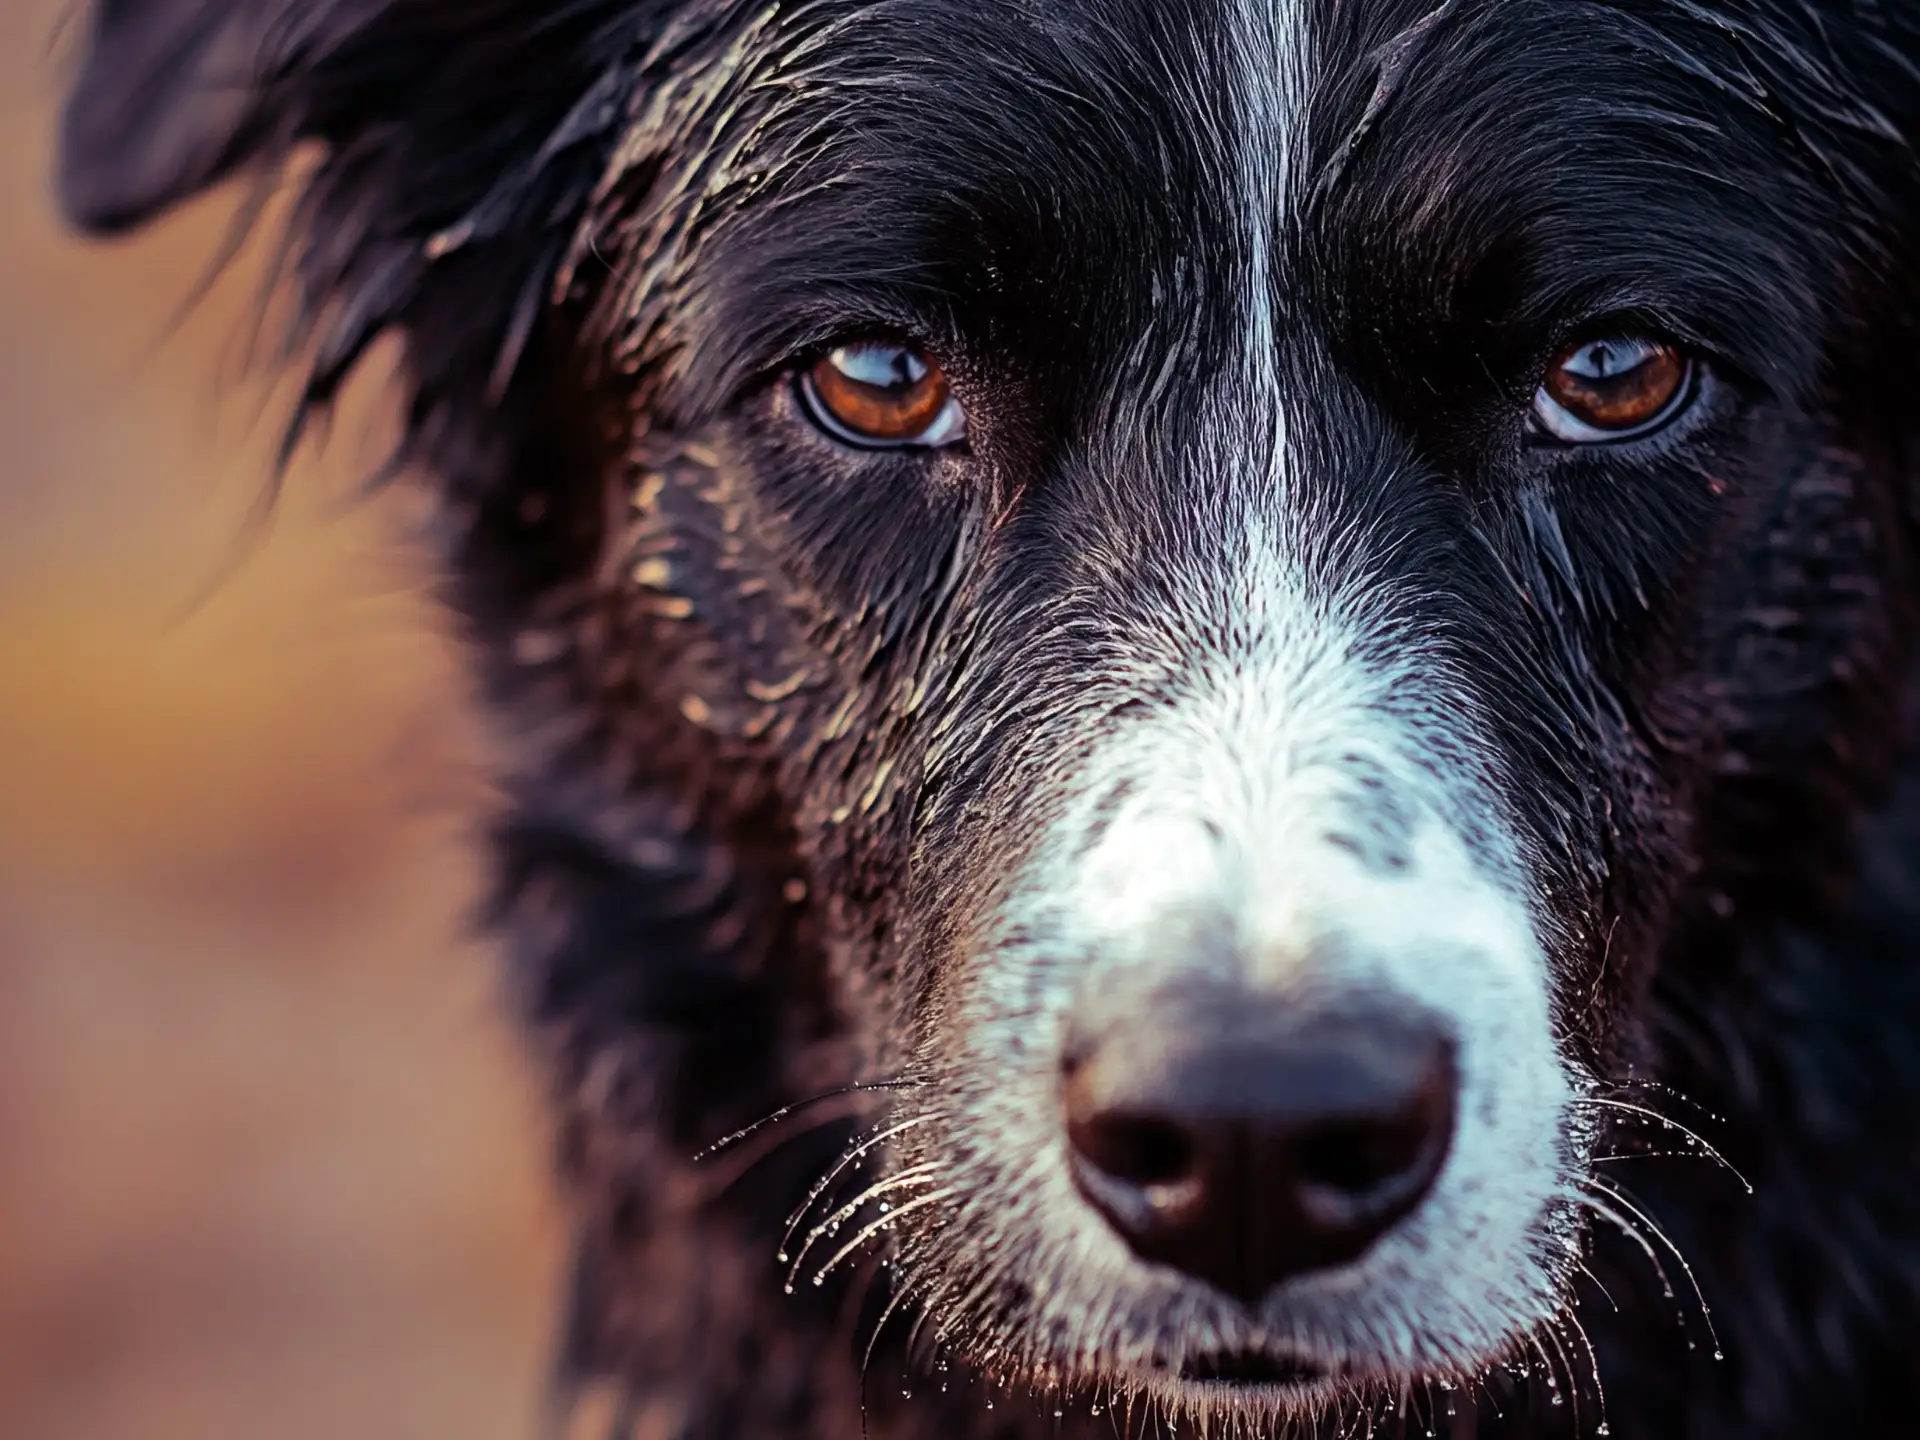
{"x": 270, "y": 1163}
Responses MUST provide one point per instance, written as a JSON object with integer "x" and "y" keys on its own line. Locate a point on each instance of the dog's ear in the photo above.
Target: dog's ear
{"x": 455, "y": 146}
{"x": 172, "y": 95}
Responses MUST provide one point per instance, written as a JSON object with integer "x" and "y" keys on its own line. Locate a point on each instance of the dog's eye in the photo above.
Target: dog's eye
{"x": 882, "y": 395}
{"x": 1612, "y": 389}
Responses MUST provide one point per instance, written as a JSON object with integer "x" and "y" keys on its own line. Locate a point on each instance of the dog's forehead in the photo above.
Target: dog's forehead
{"x": 1101, "y": 109}
{"x": 1095, "y": 184}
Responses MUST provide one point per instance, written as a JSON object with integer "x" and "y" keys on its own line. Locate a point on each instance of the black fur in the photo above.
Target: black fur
{"x": 782, "y": 713}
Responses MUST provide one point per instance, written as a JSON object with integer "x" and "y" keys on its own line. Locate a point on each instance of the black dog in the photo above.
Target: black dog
{"x": 1280, "y": 623}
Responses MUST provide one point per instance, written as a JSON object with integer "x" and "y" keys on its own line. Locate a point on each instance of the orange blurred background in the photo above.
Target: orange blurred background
{"x": 270, "y": 1162}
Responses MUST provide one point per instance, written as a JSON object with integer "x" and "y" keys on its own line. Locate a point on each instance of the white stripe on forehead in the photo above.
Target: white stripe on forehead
{"x": 1271, "y": 41}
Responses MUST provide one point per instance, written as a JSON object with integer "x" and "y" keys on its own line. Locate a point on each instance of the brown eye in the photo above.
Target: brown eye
{"x": 883, "y": 395}
{"x": 1612, "y": 389}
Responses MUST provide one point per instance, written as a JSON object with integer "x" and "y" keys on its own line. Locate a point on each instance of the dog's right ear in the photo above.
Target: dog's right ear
{"x": 171, "y": 97}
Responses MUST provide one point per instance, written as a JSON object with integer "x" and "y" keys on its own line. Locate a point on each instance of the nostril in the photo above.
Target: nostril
{"x": 1365, "y": 1165}
{"x": 1140, "y": 1150}
{"x": 1348, "y": 1172}
{"x": 1355, "y": 1159}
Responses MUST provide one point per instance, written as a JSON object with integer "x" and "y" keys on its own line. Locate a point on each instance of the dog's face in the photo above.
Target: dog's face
{"x": 1264, "y": 551}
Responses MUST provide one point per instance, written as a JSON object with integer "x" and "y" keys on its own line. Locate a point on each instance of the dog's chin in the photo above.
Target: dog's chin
{"x": 1240, "y": 1372}
{"x": 1271, "y": 1385}
{"x": 1269, "y": 1390}
{"x": 1266, "y": 1384}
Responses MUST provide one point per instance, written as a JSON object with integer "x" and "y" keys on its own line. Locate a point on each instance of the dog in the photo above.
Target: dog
{"x": 1208, "y": 704}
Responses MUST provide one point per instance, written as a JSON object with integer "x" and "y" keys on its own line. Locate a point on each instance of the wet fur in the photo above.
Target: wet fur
{"x": 744, "y": 711}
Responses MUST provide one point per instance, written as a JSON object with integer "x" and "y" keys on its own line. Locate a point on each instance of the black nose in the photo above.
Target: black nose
{"x": 1245, "y": 1142}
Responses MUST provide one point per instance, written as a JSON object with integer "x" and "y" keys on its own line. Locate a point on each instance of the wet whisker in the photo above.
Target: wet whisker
{"x": 1646, "y": 1112}
{"x": 840, "y": 1166}
{"x": 774, "y": 1117}
{"x": 913, "y": 1175}
{"x": 884, "y": 1222}
{"x": 1618, "y": 1197}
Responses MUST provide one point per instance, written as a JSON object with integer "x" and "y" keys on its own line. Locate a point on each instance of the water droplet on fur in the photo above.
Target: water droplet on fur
{"x": 781, "y": 1257}
{"x": 1718, "y": 1356}
{"x": 1096, "y": 1410}
{"x": 1558, "y": 1399}
{"x": 789, "y": 1289}
{"x": 1602, "y": 1429}
{"x": 819, "y": 1280}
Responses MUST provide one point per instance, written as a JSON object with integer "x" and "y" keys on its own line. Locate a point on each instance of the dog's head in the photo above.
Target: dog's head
{"x": 1266, "y": 556}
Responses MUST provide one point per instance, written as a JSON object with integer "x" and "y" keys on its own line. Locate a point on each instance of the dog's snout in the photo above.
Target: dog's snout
{"x": 1245, "y": 1141}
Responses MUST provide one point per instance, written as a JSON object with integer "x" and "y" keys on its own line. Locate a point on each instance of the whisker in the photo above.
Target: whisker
{"x": 1581, "y": 1266}
{"x": 831, "y": 1225}
{"x": 904, "y": 1287}
{"x": 718, "y": 1181}
{"x": 1573, "y": 1383}
{"x": 874, "y": 1227}
{"x": 1647, "y": 1112}
{"x": 1643, "y": 1082}
{"x": 963, "y": 1302}
{"x": 1620, "y": 1223}
{"x": 820, "y": 1187}
{"x": 1546, "y": 1366}
{"x": 1492, "y": 1398}
{"x": 1593, "y": 1364}
{"x": 1706, "y": 1313}
{"x": 920, "y": 1320}
{"x": 862, "y": 1087}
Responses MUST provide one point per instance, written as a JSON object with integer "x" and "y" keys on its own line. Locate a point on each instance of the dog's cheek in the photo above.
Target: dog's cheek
{"x": 781, "y": 636}
{"x": 731, "y": 631}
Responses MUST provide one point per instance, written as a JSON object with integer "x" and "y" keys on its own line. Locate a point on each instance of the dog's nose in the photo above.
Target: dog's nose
{"x": 1245, "y": 1142}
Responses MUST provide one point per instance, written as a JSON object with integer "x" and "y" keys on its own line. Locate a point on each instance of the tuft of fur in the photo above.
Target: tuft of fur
{"x": 794, "y": 730}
